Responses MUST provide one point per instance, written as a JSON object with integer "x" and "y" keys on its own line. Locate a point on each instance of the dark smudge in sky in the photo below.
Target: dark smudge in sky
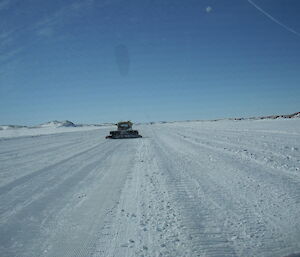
{"x": 122, "y": 59}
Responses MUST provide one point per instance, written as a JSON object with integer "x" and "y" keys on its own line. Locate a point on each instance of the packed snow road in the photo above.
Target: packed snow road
{"x": 226, "y": 188}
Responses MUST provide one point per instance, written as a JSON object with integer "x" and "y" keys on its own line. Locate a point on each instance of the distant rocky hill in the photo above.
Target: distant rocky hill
{"x": 273, "y": 117}
{"x": 58, "y": 124}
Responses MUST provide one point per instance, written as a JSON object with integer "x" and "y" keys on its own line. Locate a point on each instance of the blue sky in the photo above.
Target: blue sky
{"x": 102, "y": 61}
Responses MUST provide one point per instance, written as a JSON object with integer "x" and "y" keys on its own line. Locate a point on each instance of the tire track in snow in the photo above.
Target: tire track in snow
{"x": 206, "y": 231}
{"x": 264, "y": 157}
{"x": 21, "y": 162}
{"x": 20, "y": 196}
{"x": 29, "y": 143}
{"x": 276, "y": 175}
{"x": 186, "y": 156}
{"x": 145, "y": 222}
{"x": 23, "y": 180}
{"x": 39, "y": 201}
{"x": 85, "y": 220}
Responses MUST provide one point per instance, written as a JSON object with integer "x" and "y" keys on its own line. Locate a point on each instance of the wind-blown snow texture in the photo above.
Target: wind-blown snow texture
{"x": 226, "y": 188}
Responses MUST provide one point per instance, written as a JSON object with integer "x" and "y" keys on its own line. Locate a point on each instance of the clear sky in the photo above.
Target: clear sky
{"x": 92, "y": 61}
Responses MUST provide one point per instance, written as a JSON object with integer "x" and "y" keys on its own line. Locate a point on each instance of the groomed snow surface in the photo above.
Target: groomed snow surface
{"x": 225, "y": 188}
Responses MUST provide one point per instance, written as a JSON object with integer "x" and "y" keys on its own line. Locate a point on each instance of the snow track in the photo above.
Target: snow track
{"x": 185, "y": 189}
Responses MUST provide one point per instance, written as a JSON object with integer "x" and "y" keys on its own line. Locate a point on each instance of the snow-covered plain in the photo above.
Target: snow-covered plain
{"x": 20, "y": 132}
{"x": 225, "y": 188}
{"x": 52, "y": 127}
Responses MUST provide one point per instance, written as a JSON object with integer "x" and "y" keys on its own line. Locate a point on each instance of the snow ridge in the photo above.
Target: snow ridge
{"x": 58, "y": 124}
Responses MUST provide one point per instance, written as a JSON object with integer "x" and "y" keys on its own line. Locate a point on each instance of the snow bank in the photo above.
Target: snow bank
{"x": 25, "y": 131}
